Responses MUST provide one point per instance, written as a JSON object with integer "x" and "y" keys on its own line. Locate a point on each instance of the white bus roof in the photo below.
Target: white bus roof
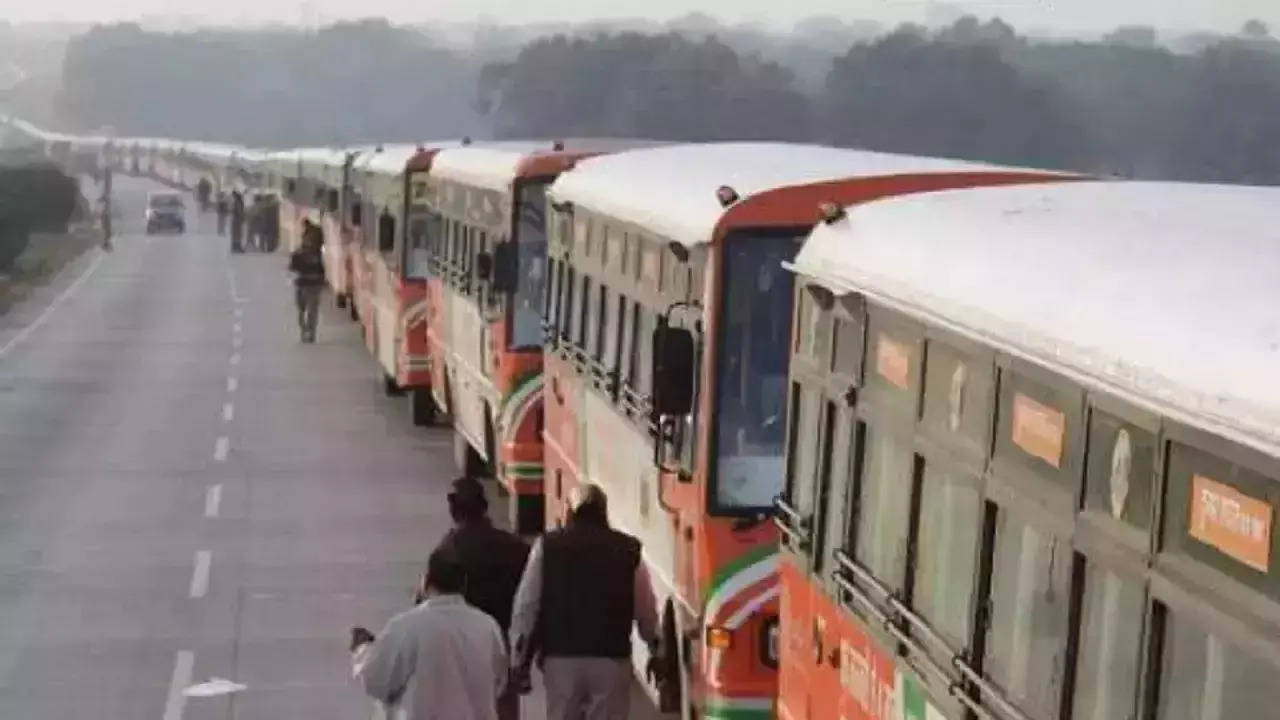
{"x": 391, "y": 159}
{"x": 495, "y": 164}
{"x": 672, "y": 189}
{"x": 1164, "y": 294}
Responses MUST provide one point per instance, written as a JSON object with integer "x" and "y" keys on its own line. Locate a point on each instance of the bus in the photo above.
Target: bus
{"x": 328, "y": 174}
{"x": 1033, "y": 457}
{"x": 667, "y": 321}
{"x": 388, "y": 271}
{"x": 485, "y": 258}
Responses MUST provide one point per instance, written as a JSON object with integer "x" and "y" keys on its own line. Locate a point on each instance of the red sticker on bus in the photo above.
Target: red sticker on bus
{"x": 1038, "y": 429}
{"x": 1232, "y": 522}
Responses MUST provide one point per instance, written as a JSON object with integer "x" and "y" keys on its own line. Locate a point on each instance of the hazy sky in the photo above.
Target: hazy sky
{"x": 1066, "y": 15}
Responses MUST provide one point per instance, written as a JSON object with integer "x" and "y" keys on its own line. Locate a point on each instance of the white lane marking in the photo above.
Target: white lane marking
{"x": 232, "y": 384}
{"x": 236, "y": 328}
{"x": 235, "y": 359}
{"x": 200, "y": 575}
{"x": 176, "y": 702}
{"x": 239, "y": 312}
{"x": 221, "y": 448}
{"x": 212, "y": 501}
{"x": 237, "y": 341}
{"x": 40, "y": 320}
{"x": 228, "y": 411}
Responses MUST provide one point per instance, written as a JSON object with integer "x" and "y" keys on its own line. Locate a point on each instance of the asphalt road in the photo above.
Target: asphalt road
{"x": 187, "y": 492}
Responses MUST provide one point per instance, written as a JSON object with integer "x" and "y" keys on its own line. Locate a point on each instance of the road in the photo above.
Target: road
{"x": 187, "y": 492}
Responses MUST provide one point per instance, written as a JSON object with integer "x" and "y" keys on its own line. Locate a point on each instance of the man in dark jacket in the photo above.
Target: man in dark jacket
{"x": 493, "y": 559}
{"x": 308, "y": 269}
{"x": 581, "y": 590}
{"x": 237, "y": 221}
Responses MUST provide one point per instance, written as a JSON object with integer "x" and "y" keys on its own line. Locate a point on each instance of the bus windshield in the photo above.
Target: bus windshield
{"x": 531, "y": 245}
{"x": 755, "y": 337}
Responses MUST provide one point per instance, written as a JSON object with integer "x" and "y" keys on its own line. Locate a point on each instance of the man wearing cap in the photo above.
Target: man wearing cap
{"x": 493, "y": 559}
{"x": 582, "y": 589}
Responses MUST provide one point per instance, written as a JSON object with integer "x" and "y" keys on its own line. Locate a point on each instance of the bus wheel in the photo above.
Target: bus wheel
{"x": 422, "y": 406}
{"x": 390, "y": 387}
{"x": 340, "y": 299}
{"x": 671, "y": 689}
{"x": 466, "y": 457}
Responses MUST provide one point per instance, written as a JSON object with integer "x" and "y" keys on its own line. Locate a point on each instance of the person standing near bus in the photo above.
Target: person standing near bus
{"x": 237, "y": 221}
{"x": 203, "y": 189}
{"x": 104, "y": 209}
{"x": 494, "y": 560}
{"x": 309, "y": 280}
{"x": 582, "y": 589}
{"x": 442, "y": 660}
{"x": 222, "y": 207}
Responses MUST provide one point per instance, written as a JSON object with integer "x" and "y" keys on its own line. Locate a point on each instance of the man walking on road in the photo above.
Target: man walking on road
{"x": 442, "y": 660}
{"x": 222, "y": 208}
{"x": 308, "y": 268}
{"x": 493, "y": 559}
{"x": 582, "y": 588}
{"x": 237, "y": 221}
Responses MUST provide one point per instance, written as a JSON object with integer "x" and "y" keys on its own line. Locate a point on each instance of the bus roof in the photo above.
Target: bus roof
{"x": 672, "y": 189}
{"x": 494, "y": 165}
{"x": 1164, "y": 294}
{"x": 392, "y": 159}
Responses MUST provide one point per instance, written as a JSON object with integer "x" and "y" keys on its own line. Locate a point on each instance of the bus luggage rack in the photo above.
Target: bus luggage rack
{"x": 909, "y": 629}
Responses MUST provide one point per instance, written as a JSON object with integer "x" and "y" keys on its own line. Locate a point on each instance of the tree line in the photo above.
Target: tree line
{"x": 1122, "y": 105}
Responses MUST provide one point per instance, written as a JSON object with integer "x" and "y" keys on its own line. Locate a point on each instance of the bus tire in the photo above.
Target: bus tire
{"x": 466, "y": 458}
{"x": 671, "y": 689}
{"x": 390, "y": 387}
{"x": 340, "y": 299}
{"x": 422, "y": 407}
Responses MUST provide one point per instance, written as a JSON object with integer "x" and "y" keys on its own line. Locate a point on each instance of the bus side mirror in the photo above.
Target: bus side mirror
{"x": 672, "y": 371}
{"x": 503, "y": 274}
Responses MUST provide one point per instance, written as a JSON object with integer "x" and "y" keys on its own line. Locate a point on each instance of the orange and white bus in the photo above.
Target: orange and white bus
{"x": 666, "y": 375}
{"x": 1042, "y": 481}
{"x": 327, "y": 180}
{"x": 485, "y": 237}
{"x": 388, "y": 268}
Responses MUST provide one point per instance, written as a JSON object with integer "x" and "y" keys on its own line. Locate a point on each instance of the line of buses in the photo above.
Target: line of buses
{"x": 904, "y": 438}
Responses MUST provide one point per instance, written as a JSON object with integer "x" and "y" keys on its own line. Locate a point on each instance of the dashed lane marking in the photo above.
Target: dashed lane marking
{"x": 176, "y": 702}
{"x": 212, "y": 501}
{"x": 200, "y": 574}
{"x": 221, "y": 448}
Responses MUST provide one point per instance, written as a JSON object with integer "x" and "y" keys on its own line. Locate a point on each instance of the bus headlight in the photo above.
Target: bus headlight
{"x": 770, "y": 640}
{"x": 719, "y": 638}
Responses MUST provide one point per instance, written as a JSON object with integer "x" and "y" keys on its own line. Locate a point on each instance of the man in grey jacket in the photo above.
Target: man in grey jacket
{"x": 442, "y": 660}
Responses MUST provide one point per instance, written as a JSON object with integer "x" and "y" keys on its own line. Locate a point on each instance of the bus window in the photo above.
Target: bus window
{"x": 1119, "y": 470}
{"x": 599, "y": 321}
{"x": 829, "y": 511}
{"x": 813, "y": 334}
{"x": 531, "y": 249}
{"x": 586, "y": 314}
{"x": 567, "y": 289}
{"x": 751, "y": 371}
{"x": 1206, "y": 678}
{"x": 846, "y": 358}
{"x": 806, "y": 418}
{"x": 424, "y": 233}
{"x": 550, "y": 292}
{"x": 642, "y": 377}
{"x": 946, "y": 552}
{"x": 1030, "y": 595}
{"x": 884, "y": 511}
{"x": 1110, "y": 647}
{"x": 611, "y": 335}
